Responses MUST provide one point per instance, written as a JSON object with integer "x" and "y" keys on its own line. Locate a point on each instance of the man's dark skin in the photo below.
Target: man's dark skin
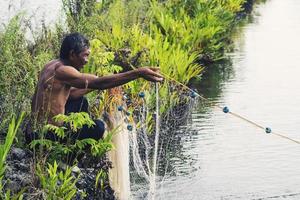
{"x": 61, "y": 79}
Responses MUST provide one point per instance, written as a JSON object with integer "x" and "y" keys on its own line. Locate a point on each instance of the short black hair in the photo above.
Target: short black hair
{"x": 75, "y": 42}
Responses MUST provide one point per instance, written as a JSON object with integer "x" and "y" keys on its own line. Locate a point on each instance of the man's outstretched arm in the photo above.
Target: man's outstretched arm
{"x": 74, "y": 78}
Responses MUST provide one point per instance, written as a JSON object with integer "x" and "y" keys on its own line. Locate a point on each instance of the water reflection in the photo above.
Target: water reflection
{"x": 213, "y": 79}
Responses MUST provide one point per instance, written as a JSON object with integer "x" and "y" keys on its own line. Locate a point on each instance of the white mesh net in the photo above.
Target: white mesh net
{"x": 150, "y": 149}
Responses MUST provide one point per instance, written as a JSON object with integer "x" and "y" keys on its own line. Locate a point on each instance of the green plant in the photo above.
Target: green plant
{"x": 15, "y": 73}
{"x": 100, "y": 60}
{"x": 57, "y": 184}
{"x": 75, "y": 121}
{"x": 97, "y": 148}
{"x": 201, "y": 26}
{"x": 4, "y": 149}
{"x": 101, "y": 178}
{"x": 59, "y": 149}
{"x": 8, "y": 196}
{"x": 20, "y": 62}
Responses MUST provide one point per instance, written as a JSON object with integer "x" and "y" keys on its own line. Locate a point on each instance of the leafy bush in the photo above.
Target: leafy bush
{"x": 4, "y": 149}
{"x": 58, "y": 150}
{"x": 173, "y": 35}
{"x": 20, "y": 63}
{"x": 57, "y": 184}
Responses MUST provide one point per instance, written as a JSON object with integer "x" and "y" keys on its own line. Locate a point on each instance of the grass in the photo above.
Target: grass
{"x": 4, "y": 149}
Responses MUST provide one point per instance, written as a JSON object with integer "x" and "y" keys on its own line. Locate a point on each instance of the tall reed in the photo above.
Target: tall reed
{"x": 5, "y": 147}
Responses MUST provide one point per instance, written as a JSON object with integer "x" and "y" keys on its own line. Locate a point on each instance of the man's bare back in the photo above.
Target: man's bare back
{"x": 51, "y": 93}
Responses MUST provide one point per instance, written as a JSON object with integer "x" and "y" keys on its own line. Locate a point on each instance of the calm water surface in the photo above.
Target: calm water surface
{"x": 226, "y": 157}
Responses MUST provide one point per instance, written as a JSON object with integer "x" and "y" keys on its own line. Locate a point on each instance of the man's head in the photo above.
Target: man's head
{"x": 75, "y": 49}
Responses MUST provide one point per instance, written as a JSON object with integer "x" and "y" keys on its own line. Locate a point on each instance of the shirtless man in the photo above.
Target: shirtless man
{"x": 60, "y": 79}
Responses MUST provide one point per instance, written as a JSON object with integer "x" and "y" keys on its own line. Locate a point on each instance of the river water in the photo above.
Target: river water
{"x": 223, "y": 157}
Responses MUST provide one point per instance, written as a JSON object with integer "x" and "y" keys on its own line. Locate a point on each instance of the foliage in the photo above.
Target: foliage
{"x": 4, "y": 149}
{"x": 100, "y": 60}
{"x": 101, "y": 177}
{"x": 75, "y": 120}
{"x": 16, "y": 75}
{"x": 173, "y": 35}
{"x": 61, "y": 185}
{"x": 201, "y": 26}
{"x": 97, "y": 148}
{"x": 66, "y": 145}
{"x": 57, "y": 184}
{"x": 20, "y": 63}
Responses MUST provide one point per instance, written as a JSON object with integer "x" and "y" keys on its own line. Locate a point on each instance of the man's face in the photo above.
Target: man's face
{"x": 82, "y": 58}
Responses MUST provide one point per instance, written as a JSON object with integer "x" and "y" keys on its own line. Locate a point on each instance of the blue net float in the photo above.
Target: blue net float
{"x": 226, "y": 109}
{"x": 120, "y": 108}
{"x": 129, "y": 127}
{"x": 142, "y": 94}
{"x": 268, "y": 130}
{"x": 128, "y": 113}
{"x": 193, "y": 94}
{"x": 128, "y": 101}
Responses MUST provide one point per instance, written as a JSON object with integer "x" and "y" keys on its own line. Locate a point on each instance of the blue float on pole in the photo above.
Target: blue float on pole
{"x": 193, "y": 94}
{"x": 226, "y": 109}
{"x": 268, "y": 130}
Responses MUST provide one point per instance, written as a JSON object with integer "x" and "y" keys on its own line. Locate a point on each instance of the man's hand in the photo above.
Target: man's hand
{"x": 150, "y": 74}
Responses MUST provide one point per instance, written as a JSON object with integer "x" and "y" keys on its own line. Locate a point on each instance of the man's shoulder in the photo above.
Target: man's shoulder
{"x": 59, "y": 70}
{"x": 57, "y": 65}
{"x": 52, "y": 62}
{"x": 51, "y": 66}
{"x": 63, "y": 71}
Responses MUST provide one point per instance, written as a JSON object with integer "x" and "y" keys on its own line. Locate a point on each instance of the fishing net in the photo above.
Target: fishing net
{"x": 161, "y": 116}
{"x": 151, "y": 119}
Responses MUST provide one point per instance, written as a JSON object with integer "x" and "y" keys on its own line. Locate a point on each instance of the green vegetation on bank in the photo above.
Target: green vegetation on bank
{"x": 173, "y": 35}
{"x": 4, "y": 149}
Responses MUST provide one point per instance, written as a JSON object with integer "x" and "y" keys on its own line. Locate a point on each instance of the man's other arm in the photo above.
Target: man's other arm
{"x": 76, "y": 93}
